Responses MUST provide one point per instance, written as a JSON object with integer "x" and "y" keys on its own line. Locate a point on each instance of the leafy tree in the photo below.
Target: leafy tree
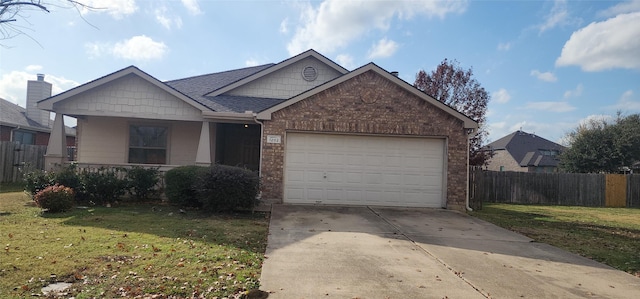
{"x": 457, "y": 88}
{"x": 602, "y": 146}
{"x": 13, "y": 10}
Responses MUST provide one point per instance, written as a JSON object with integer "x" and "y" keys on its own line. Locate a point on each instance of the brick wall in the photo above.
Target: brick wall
{"x": 366, "y": 104}
{"x": 504, "y": 159}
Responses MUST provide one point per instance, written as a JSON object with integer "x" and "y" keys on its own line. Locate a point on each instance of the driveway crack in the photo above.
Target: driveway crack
{"x": 417, "y": 245}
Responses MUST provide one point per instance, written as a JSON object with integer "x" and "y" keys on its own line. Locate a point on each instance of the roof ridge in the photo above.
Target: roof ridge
{"x": 222, "y": 72}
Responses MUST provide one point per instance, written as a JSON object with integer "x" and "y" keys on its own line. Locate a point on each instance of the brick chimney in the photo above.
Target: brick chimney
{"x": 38, "y": 90}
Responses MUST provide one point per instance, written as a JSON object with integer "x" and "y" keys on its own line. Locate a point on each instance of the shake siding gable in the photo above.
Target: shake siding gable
{"x": 129, "y": 96}
{"x": 367, "y": 104}
{"x": 287, "y": 82}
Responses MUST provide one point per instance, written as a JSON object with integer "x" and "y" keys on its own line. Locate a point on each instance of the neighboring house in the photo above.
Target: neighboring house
{"x": 524, "y": 152}
{"x": 316, "y": 132}
{"x": 29, "y": 125}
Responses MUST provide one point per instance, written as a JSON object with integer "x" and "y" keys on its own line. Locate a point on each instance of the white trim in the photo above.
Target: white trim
{"x": 468, "y": 122}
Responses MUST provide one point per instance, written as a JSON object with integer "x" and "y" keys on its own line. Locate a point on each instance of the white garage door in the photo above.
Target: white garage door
{"x": 364, "y": 170}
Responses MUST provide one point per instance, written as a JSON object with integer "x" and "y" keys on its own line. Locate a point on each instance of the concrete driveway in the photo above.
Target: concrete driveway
{"x": 371, "y": 252}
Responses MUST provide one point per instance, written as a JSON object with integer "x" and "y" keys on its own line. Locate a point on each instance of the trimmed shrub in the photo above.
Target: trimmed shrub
{"x": 35, "y": 181}
{"x": 56, "y": 198}
{"x": 103, "y": 186}
{"x": 142, "y": 182}
{"x": 68, "y": 176}
{"x": 181, "y": 183}
{"x": 225, "y": 188}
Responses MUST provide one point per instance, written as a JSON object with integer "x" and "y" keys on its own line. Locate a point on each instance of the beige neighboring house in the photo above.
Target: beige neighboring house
{"x": 524, "y": 152}
{"x": 316, "y": 132}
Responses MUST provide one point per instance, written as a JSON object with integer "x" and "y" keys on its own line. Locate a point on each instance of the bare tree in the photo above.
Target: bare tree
{"x": 457, "y": 87}
{"x": 14, "y": 12}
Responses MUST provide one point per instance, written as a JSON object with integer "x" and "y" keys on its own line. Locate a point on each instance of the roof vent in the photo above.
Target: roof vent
{"x": 309, "y": 73}
{"x": 394, "y": 73}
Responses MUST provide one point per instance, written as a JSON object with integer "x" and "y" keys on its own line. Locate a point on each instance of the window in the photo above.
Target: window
{"x": 148, "y": 144}
{"x": 24, "y": 137}
{"x": 551, "y": 153}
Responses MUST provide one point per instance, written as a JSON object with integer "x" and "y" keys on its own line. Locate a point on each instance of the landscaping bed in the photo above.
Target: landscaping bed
{"x": 133, "y": 250}
{"x": 607, "y": 235}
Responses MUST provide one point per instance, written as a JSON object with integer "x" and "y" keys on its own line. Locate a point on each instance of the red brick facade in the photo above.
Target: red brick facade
{"x": 366, "y": 104}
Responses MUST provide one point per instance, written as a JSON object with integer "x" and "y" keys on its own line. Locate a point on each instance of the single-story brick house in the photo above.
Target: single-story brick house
{"x": 316, "y": 132}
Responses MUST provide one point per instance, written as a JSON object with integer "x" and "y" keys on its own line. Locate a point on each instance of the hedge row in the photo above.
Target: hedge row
{"x": 216, "y": 188}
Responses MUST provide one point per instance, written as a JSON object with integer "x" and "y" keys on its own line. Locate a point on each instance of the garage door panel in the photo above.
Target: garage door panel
{"x": 367, "y": 170}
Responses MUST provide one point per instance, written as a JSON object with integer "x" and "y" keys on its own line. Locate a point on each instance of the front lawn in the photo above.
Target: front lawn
{"x": 607, "y": 235}
{"x": 127, "y": 251}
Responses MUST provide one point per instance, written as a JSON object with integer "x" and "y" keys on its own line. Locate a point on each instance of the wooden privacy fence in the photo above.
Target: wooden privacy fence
{"x": 571, "y": 189}
{"x": 14, "y": 157}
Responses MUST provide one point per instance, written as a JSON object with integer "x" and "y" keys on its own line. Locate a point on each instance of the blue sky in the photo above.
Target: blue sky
{"x": 548, "y": 65}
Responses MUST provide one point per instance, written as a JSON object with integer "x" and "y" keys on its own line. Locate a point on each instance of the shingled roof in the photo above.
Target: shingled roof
{"x": 16, "y": 116}
{"x": 528, "y": 149}
{"x": 197, "y": 87}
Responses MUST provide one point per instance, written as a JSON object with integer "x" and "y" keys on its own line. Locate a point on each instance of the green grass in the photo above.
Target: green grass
{"x": 607, "y": 235}
{"x": 11, "y": 187}
{"x": 128, "y": 251}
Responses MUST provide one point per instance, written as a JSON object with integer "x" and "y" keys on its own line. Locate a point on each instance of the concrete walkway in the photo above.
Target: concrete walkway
{"x": 370, "y": 252}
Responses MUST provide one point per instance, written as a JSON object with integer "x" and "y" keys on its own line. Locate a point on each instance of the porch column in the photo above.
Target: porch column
{"x": 203, "y": 156}
{"x": 57, "y": 147}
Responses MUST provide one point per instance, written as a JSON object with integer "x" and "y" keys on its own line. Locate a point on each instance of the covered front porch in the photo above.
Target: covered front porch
{"x": 125, "y": 142}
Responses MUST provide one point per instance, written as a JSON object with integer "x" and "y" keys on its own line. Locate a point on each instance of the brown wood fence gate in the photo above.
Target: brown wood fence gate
{"x": 15, "y": 157}
{"x": 572, "y": 189}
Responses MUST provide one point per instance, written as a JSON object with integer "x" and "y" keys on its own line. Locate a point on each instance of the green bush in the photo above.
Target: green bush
{"x": 68, "y": 176}
{"x": 181, "y": 184}
{"x": 56, "y": 198}
{"x": 36, "y": 180}
{"x": 103, "y": 186}
{"x": 224, "y": 188}
{"x": 142, "y": 182}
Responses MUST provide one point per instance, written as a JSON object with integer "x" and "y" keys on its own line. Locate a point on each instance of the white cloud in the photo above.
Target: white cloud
{"x": 166, "y": 21}
{"x": 627, "y": 103}
{"x": 609, "y": 44}
{"x": 557, "y": 16}
{"x": 251, "y": 62}
{"x": 284, "y": 26}
{"x": 192, "y": 6}
{"x": 140, "y": 48}
{"x": 574, "y": 92}
{"x": 116, "y": 8}
{"x": 550, "y": 106}
{"x": 546, "y": 76}
{"x": 13, "y": 85}
{"x": 346, "y": 61}
{"x": 621, "y": 8}
{"x": 33, "y": 68}
{"x": 501, "y": 96}
{"x": 333, "y": 24}
{"x": 504, "y": 46}
{"x": 384, "y": 48}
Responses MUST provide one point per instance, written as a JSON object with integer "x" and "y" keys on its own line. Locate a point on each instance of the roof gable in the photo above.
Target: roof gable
{"x": 48, "y": 104}
{"x": 528, "y": 149}
{"x": 468, "y": 122}
{"x": 277, "y": 67}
